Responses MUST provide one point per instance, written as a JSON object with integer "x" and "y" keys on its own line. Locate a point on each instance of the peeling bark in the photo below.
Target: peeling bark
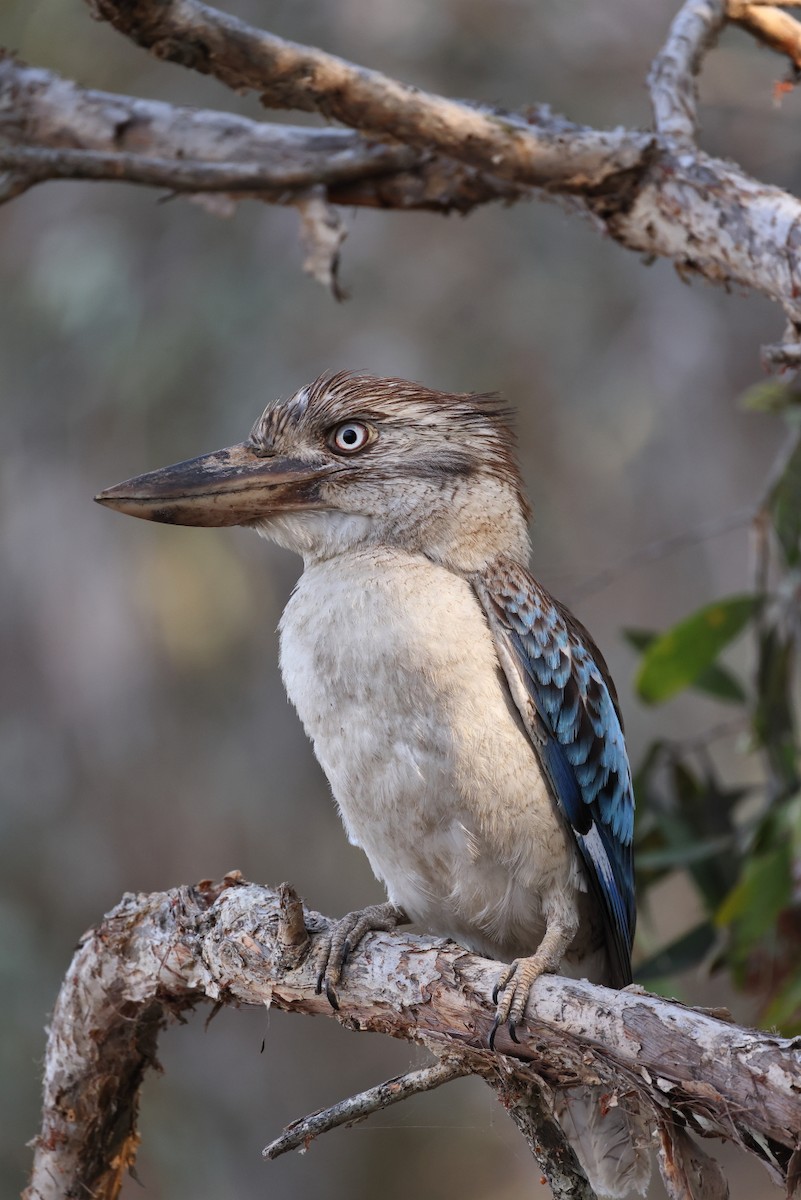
{"x": 156, "y": 956}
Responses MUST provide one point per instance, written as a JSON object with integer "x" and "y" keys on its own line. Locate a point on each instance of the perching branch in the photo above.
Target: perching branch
{"x": 156, "y": 956}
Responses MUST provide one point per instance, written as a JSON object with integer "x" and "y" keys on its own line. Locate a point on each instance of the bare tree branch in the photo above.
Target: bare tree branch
{"x": 769, "y": 25}
{"x": 357, "y": 1108}
{"x": 656, "y": 195}
{"x": 37, "y": 164}
{"x": 158, "y": 955}
{"x": 289, "y": 75}
{"x": 546, "y": 1141}
{"x": 673, "y": 72}
{"x": 41, "y": 110}
{"x": 525, "y": 1105}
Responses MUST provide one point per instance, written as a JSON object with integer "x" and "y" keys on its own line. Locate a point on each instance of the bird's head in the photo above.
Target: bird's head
{"x": 356, "y": 461}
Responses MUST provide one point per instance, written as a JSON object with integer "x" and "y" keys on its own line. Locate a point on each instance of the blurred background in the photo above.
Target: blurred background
{"x": 146, "y": 738}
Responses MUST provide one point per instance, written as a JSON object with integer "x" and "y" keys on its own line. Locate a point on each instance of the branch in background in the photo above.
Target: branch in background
{"x": 671, "y": 80}
{"x": 769, "y": 25}
{"x": 760, "y": 516}
{"x": 36, "y": 164}
{"x": 658, "y": 549}
{"x": 289, "y": 75}
{"x": 156, "y": 956}
{"x": 653, "y": 195}
{"x": 657, "y": 196}
{"x": 41, "y": 111}
{"x": 757, "y": 515}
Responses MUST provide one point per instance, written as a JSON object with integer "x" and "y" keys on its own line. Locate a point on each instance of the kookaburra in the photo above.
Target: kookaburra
{"x": 464, "y": 718}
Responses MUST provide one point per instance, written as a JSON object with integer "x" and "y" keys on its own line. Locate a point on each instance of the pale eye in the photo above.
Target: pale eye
{"x": 350, "y": 437}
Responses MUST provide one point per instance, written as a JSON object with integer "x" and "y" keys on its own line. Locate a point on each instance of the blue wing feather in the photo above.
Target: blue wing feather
{"x": 572, "y": 716}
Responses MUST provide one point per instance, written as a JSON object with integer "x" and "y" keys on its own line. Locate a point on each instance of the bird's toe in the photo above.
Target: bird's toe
{"x": 337, "y": 942}
{"x": 511, "y": 992}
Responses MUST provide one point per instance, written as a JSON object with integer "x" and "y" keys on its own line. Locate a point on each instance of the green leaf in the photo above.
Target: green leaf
{"x": 754, "y": 904}
{"x": 644, "y": 774}
{"x": 769, "y": 397}
{"x": 784, "y": 1009}
{"x": 786, "y": 509}
{"x": 705, "y": 810}
{"x": 715, "y": 680}
{"x": 677, "y": 658}
{"x": 640, "y": 639}
{"x": 687, "y": 951}
{"x": 718, "y": 682}
{"x": 682, "y": 856}
{"x": 774, "y": 716}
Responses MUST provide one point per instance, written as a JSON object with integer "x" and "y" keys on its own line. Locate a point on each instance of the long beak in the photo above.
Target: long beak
{"x": 230, "y": 487}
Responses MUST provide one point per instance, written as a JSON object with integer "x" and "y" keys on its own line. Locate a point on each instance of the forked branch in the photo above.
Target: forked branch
{"x": 655, "y": 193}
{"x": 158, "y": 955}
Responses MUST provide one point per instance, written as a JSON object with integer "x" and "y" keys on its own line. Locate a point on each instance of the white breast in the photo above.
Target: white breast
{"x": 390, "y": 663}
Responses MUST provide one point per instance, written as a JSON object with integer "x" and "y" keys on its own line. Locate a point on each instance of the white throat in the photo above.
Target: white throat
{"x": 317, "y": 536}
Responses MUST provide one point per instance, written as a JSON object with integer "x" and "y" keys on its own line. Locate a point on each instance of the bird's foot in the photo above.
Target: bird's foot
{"x": 511, "y": 992}
{"x": 336, "y": 942}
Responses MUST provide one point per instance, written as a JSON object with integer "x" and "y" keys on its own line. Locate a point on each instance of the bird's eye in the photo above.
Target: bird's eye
{"x": 349, "y": 437}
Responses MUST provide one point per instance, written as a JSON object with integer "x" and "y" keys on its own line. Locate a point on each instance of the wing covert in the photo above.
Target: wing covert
{"x": 561, "y": 687}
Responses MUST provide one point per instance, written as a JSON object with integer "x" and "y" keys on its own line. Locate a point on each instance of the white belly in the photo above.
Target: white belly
{"x": 390, "y": 664}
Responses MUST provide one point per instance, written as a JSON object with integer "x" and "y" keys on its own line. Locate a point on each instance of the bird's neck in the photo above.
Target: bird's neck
{"x": 467, "y": 538}
{"x": 464, "y": 531}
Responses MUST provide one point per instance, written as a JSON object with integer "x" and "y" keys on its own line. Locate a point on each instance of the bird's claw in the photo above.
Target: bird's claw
{"x": 510, "y": 995}
{"x": 331, "y": 995}
{"x": 340, "y": 938}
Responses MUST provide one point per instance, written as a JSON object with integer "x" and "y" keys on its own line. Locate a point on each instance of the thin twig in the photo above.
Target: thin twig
{"x": 357, "y": 1108}
{"x": 37, "y": 164}
{"x": 671, "y": 80}
{"x": 660, "y": 548}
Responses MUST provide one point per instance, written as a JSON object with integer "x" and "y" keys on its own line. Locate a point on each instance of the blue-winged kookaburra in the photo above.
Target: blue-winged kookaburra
{"x": 464, "y": 718}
